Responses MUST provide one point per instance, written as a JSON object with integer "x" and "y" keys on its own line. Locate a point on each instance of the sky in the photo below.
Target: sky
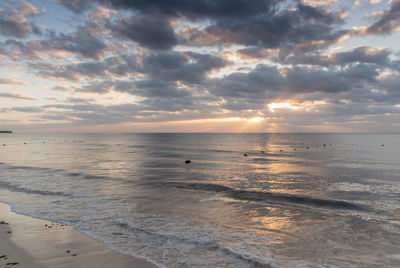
{"x": 200, "y": 66}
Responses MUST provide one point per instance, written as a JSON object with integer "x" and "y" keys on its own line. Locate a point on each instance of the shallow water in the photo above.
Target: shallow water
{"x": 281, "y": 205}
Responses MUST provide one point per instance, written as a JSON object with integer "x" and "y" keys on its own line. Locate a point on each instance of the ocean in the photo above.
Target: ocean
{"x": 245, "y": 200}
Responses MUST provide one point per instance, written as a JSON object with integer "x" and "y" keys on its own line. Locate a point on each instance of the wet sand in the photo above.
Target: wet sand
{"x": 34, "y": 243}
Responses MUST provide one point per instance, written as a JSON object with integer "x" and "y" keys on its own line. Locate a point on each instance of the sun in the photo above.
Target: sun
{"x": 279, "y": 105}
{"x": 256, "y": 119}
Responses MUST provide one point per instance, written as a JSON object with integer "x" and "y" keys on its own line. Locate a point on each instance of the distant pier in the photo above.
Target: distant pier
{"x": 5, "y": 131}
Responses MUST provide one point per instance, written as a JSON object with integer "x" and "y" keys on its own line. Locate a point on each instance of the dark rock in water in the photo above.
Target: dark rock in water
{"x": 307, "y": 148}
{"x": 245, "y": 155}
{"x": 295, "y": 149}
{"x": 188, "y": 161}
{"x": 262, "y": 152}
{"x": 280, "y": 150}
{"x": 383, "y": 144}
{"x": 24, "y": 142}
{"x": 324, "y": 144}
{"x": 4, "y": 144}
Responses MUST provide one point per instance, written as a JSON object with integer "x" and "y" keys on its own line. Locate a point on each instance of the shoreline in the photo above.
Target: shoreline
{"x": 36, "y": 243}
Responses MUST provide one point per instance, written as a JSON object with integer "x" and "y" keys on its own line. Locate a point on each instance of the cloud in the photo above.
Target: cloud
{"x": 181, "y": 66}
{"x": 82, "y": 43}
{"x": 378, "y": 56}
{"x": 6, "y": 81}
{"x": 387, "y": 23}
{"x": 149, "y": 31}
{"x": 193, "y": 9}
{"x": 27, "y": 109}
{"x": 159, "y": 61}
{"x": 303, "y": 25}
{"x": 266, "y": 83}
{"x": 15, "y": 96}
{"x": 14, "y": 20}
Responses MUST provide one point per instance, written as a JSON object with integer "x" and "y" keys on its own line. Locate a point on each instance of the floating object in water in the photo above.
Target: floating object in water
{"x": 188, "y": 161}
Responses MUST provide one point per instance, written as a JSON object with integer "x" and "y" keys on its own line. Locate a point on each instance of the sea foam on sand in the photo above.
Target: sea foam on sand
{"x": 34, "y": 243}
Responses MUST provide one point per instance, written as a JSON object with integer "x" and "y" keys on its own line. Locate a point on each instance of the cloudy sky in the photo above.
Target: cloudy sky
{"x": 200, "y": 65}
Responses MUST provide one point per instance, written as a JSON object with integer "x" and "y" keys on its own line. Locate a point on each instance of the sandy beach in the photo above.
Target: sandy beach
{"x": 34, "y": 243}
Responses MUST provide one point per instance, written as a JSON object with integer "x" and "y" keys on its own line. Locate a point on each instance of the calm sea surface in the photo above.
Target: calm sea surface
{"x": 295, "y": 200}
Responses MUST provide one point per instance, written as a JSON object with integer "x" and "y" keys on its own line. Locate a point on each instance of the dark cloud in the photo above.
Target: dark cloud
{"x": 379, "y": 56}
{"x": 15, "y": 96}
{"x": 14, "y": 28}
{"x": 27, "y": 109}
{"x": 118, "y": 66}
{"x": 18, "y": 50}
{"x": 150, "y": 31}
{"x": 78, "y": 100}
{"x": 265, "y": 83}
{"x": 14, "y": 20}
{"x": 188, "y": 67}
{"x": 77, "y": 6}
{"x": 186, "y": 8}
{"x": 388, "y": 22}
{"x": 299, "y": 26}
{"x": 82, "y": 43}
{"x": 166, "y": 57}
{"x": 159, "y": 89}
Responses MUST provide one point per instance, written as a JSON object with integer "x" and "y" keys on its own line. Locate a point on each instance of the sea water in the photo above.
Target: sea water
{"x": 245, "y": 200}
